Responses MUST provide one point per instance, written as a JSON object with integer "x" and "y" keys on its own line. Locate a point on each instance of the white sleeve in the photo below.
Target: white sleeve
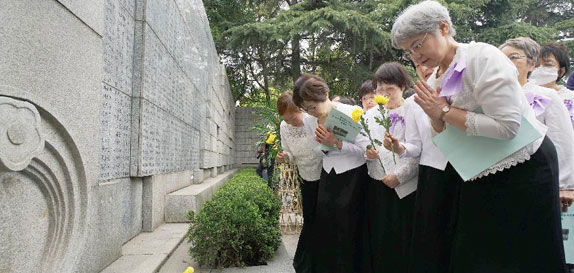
{"x": 310, "y": 124}
{"x": 359, "y": 146}
{"x": 498, "y": 92}
{"x": 560, "y": 132}
{"x": 413, "y": 142}
{"x": 284, "y": 145}
{"x": 407, "y": 169}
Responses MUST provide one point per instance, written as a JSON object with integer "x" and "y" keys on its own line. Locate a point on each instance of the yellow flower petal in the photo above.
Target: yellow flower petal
{"x": 189, "y": 270}
{"x": 381, "y": 100}
{"x": 357, "y": 114}
{"x": 271, "y": 138}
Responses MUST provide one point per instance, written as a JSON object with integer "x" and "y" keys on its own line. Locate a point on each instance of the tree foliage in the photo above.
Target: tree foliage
{"x": 267, "y": 44}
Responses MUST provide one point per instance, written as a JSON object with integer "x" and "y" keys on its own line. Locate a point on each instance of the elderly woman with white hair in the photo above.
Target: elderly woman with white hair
{"x": 549, "y": 109}
{"x": 506, "y": 218}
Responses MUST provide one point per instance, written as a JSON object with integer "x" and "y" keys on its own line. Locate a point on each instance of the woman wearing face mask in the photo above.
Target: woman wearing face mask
{"x": 297, "y": 147}
{"x": 549, "y": 110}
{"x": 506, "y": 218}
{"x": 552, "y": 66}
{"x": 340, "y": 243}
{"x": 391, "y": 196}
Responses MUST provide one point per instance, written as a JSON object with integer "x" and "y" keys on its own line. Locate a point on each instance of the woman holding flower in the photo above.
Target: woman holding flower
{"x": 340, "y": 221}
{"x": 297, "y": 147}
{"x": 506, "y": 218}
{"x": 391, "y": 197}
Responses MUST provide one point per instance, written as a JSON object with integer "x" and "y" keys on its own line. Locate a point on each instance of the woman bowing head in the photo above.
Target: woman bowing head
{"x": 507, "y": 216}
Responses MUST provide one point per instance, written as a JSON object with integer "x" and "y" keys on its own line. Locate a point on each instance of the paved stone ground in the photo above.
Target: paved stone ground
{"x": 281, "y": 262}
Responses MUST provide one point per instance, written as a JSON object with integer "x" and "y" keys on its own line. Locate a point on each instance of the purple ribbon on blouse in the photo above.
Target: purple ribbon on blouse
{"x": 570, "y": 106}
{"x": 538, "y": 102}
{"x": 395, "y": 118}
{"x": 452, "y": 83}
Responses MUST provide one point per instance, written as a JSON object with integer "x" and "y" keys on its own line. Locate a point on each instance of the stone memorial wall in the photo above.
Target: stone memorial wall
{"x": 106, "y": 106}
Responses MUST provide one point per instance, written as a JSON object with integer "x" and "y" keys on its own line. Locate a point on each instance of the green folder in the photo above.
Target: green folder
{"x": 470, "y": 155}
{"x": 343, "y": 126}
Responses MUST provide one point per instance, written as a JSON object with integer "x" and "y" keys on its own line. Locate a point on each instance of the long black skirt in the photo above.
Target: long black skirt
{"x": 504, "y": 222}
{"x": 303, "y": 261}
{"x": 390, "y": 227}
{"x": 434, "y": 219}
{"x": 340, "y": 224}
{"x": 510, "y": 221}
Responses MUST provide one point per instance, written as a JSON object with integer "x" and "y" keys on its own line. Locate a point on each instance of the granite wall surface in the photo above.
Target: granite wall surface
{"x": 105, "y": 107}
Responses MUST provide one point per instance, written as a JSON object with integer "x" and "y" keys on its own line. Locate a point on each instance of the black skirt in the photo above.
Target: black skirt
{"x": 510, "y": 221}
{"x": 504, "y": 222}
{"x": 303, "y": 261}
{"x": 390, "y": 227}
{"x": 340, "y": 223}
{"x": 434, "y": 219}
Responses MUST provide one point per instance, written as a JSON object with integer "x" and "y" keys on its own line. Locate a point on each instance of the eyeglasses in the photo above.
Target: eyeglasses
{"x": 416, "y": 47}
{"x": 515, "y": 56}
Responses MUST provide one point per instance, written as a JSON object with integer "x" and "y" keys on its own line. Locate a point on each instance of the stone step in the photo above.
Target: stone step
{"x": 148, "y": 251}
{"x": 179, "y": 202}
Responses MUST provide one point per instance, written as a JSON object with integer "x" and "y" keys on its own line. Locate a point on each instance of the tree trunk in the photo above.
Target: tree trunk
{"x": 296, "y": 58}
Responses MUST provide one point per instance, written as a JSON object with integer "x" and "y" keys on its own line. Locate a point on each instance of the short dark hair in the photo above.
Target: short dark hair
{"x": 392, "y": 73}
{"x": 366, "y": 88}
{"x": 309, "y": 87}
{"x": 560, "y": 52}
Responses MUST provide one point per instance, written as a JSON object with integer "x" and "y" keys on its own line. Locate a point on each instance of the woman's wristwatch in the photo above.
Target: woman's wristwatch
{"x": 445, "y": 110}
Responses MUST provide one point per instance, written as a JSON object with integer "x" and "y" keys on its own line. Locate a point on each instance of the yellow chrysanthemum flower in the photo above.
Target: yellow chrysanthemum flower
{"x": 271, "y": 138}
{"x": 189, "y": 270}
{"x": 381, "y": 100}
{"x": 357, "y": 114}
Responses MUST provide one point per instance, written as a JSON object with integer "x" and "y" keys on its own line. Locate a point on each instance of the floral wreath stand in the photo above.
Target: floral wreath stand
{"x": 291, "y": 217}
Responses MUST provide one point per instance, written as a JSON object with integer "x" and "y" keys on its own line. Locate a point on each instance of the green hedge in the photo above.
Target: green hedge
{"x": 239, "y": 226}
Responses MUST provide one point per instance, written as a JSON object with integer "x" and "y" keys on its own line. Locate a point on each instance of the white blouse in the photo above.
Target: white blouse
{"x": 406, "y": 168}
{"x": 351, "y": 155}
{"x": 560, "y": 132}
{"x": 297, "y": 145}
{"x": 565, "y": 93}
{"x": 418, "y": 137}
{"x": 490, "y": 82}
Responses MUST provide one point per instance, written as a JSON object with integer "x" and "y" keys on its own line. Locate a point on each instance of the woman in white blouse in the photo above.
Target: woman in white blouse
{"x": 507, "y": 218}
{"x": 553, "y": 63}
{"x": 434, "y": 212}
{"x": 297, "y": 147}
{"x": 549, "y": 109}
{"x": 391, "y": 196}
{"x": 340, "y": 228}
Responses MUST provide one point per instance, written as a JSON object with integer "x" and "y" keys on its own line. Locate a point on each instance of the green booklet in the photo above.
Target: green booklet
{"x": 343, "y": 126}
{"x": 470, "y": 155}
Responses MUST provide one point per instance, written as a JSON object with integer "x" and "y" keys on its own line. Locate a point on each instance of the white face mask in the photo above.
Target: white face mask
{"x": 543, "y": 75}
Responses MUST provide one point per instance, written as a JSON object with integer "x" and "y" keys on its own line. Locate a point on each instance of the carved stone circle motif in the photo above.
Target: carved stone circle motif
{"x": 20, "y": 136}
{"x": 43, "y": 191}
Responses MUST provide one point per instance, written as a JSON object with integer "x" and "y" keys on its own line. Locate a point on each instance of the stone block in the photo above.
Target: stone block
{"x": 148, "y": 251}
{"x": 115, "y": 128}
{"x": 193, "y": 197}
{"x": 89, "y": 11}
{"x": 118, "y": 218}
{"x": 118, "y": 45}
{"x": 155, "y": 188}
{"x": 166, "y": 142}
{"x": 52, "y": 58}
{"x": 165, "y": 84}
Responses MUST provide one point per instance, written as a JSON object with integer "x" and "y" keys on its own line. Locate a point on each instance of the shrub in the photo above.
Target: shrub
{"x": 239, "y": 226}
